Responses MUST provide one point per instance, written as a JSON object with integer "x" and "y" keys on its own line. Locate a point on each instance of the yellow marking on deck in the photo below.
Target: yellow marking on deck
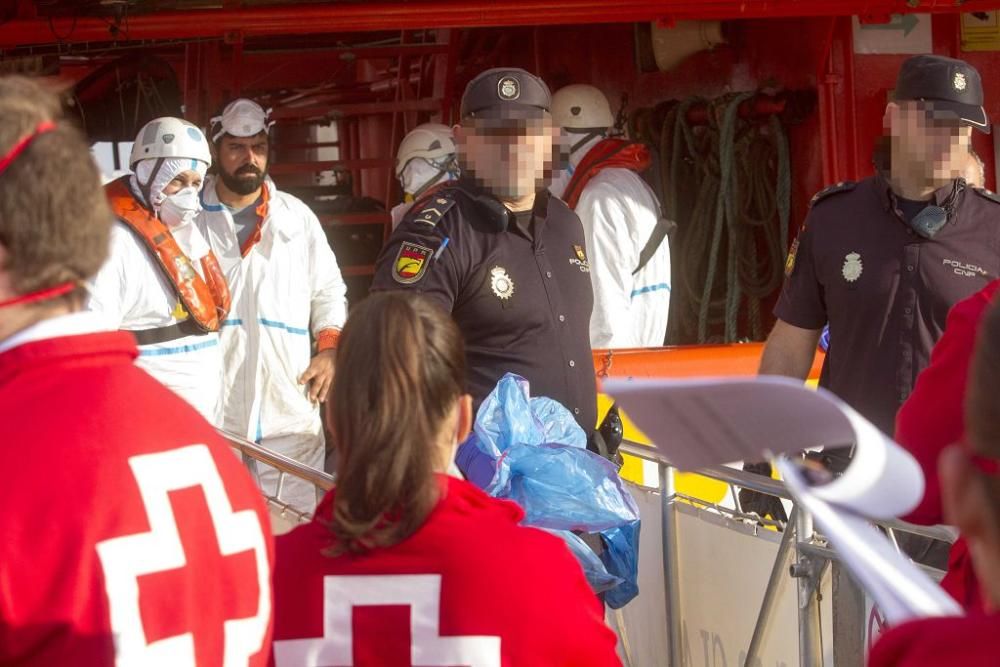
{"x": 688, "y": 484}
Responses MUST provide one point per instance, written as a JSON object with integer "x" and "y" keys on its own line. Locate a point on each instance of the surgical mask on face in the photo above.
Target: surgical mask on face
{"x": 180, "y": 208}
{"x": 421, "y": 174}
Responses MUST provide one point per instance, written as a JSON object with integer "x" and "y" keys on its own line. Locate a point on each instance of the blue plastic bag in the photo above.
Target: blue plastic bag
{"x": 621, "y": 556}
{"x": 532, "y": 451}
{"x": 509, "y": 416}
{"x": 564, "y": 487}
{"x": 600, "y": 580}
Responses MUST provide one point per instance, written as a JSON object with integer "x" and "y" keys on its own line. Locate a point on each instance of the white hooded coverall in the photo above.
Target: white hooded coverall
{"x": 131, "y": 293}
{"x": 619, "y": 212}
{"x": 288, "y": 285}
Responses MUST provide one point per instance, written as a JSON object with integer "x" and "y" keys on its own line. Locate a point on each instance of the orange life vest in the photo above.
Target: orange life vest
{"x": 207, "y": 300}
{"x": 605, "y": 154}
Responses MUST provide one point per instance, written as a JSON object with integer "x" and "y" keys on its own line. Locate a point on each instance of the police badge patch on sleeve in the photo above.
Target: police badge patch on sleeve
{"x": 411, "y": 263}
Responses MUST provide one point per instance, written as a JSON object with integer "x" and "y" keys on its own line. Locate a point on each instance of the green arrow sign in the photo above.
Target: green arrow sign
{"x": 905, "y": 22}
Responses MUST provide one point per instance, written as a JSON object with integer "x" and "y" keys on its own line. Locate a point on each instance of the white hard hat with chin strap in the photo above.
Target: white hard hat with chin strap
{"x": 166, "y": 139}
{"x": 241, "y": 118}
{"x": 584, "y": 110}
{"x": 434, "y": 144}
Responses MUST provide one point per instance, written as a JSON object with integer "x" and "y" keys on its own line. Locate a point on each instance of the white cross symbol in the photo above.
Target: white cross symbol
{"x": 125, "y": 559}
{"x": 422, "y": 593}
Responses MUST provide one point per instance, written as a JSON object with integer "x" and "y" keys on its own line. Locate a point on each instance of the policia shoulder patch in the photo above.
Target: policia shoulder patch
{"x": 843, "y": 186}
{"x": 411, "y": 263}
{"x": 434, "y": 209}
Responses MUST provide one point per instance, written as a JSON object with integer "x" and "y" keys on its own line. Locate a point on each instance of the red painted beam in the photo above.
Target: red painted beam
{"x": 370, "y": 16}
{"x": 327, "y": 165}
{"x": 335, "y": 110}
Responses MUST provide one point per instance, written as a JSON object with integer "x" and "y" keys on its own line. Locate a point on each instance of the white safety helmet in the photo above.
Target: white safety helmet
{"x": 581, "y": 107}
{"x": 241, "y": 118}
{"x": 431, "y": 141}
{"x": 167, "y": 137}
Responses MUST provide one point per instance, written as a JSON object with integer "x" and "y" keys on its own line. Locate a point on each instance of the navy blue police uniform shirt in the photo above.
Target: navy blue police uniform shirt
{"x": 885, "y": 290}
{"x": 522, "y": 297}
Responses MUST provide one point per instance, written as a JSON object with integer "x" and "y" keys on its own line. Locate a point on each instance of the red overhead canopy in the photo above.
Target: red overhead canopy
{"x": 290, "y": 19}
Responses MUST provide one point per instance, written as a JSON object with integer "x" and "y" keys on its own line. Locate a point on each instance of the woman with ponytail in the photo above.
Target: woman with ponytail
{"x": 402, "y": 564}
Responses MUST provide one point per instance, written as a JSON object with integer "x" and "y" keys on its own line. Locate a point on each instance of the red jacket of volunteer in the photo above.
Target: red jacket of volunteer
{"x": 939, "y": 642}
{"x": 131, "y": 533}
{"x": 933, "y": 418}
{"x": 470, "y": 587}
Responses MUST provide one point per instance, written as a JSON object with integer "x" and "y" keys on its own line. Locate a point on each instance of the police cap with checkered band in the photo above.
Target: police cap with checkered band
{"x": 950, "y": 88}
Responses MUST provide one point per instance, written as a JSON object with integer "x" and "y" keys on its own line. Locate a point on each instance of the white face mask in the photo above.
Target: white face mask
{"x": 180, "y": 208}
{"x": 419, "y": 174}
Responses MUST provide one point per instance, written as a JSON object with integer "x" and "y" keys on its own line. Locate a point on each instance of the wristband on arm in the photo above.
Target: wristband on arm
{"x": 327, "y": 339}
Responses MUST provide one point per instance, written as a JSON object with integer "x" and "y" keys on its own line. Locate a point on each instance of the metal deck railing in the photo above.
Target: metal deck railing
{"x": 253, "y": 455}
{"x": 808, "y": 552}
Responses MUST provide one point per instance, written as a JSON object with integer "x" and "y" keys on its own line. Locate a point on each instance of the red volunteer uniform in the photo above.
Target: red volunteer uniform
{"x": 470, "y": 587}
{"x": 131, "y": 534}
{"x": 940, "y": 642}
{"x": 933, "y": 418}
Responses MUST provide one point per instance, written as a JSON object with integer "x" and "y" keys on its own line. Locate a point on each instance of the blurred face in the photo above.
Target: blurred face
{"x": 927, "y": 145}
{"x": 510, "y": 158}
{"x": 185, "y": 179}
{"x": 973, "y": 172}
{"x": 242, "y": 162}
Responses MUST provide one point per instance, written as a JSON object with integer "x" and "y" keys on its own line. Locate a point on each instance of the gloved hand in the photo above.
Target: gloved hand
{"x": 608, "y": 436}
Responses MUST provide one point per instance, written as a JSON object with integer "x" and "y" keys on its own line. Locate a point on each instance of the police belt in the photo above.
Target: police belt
{"x": 182, "y": 329}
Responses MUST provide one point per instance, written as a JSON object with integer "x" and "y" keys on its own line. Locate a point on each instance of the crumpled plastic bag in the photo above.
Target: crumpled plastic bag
{"x": 532, "y": 451}
{"x": 600, "y": 580}
{"x": 621, "y": 556}
{"x": 563, "y": 487}
{"x": 509, "y": 416}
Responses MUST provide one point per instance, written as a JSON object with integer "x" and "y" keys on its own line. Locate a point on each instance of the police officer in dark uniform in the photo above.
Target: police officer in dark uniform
{"x": 884, "y": 259}
{"x": 506, "y": 259}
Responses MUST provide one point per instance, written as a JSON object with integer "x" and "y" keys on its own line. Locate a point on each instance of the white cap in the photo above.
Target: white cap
{"x": 241, "y": 118}
{"x": 581, "y": 107}
{"x": 170, "y": 138}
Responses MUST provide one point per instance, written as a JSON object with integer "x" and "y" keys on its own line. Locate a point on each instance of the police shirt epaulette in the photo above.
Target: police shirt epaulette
{"x": 843, "y": 186}
{"x": 434, "y": 209}
{"x": 987, "y": 194}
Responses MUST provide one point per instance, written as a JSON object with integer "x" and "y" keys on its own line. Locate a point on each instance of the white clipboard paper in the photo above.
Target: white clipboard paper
{"x": 899, "y": 588}
{"x": 701, "y": 422}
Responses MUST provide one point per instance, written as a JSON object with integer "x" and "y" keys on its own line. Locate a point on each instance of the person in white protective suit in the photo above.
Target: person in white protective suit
{"x": 426, "y": 158}
{"x": 626, "y": 234}
{"x": 289, "y": 299}
{"x": 161, "y": 281}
